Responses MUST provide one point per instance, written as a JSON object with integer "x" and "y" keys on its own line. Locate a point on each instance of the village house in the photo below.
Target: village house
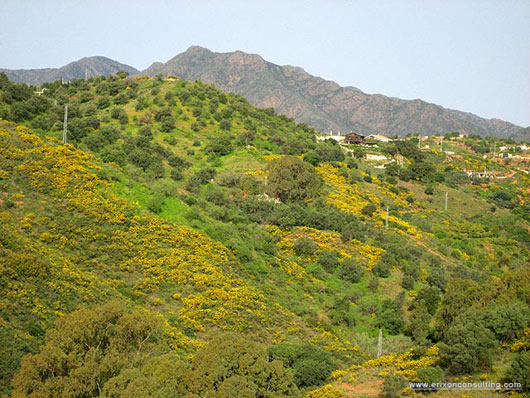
{"x": 379, "y": 137}
{"x": 331, "y": 136}
{"x": 354, "y": 139}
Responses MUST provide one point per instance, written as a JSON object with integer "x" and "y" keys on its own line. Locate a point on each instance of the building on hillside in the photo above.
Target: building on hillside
{"x": 354, "y": 139}
{"x": 379, "y": 137}
{"x": 371, "y": 156}
{"x": 337, "y": 137}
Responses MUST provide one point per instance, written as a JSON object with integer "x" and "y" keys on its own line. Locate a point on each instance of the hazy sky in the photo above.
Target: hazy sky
{"x": 468, "y": 55}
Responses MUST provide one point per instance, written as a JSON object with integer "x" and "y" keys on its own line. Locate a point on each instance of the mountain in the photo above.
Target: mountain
{"x": 322, "y": 103}
{"x": 92, "y": 66}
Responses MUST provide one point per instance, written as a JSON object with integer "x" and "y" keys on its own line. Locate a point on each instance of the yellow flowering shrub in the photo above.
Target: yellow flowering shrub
{"x": 328, "y": 391}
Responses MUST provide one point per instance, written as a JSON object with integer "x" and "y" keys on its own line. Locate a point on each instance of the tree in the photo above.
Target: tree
{"x": 431, "y": 297}
{"x": 519, "y": 371}
{"x": 291, "y": 179}
{"x": 419, "y": 321}
{"x": 311, "y": 365}
{"x": 159, "y": 377}
{"x": 86, "y": 349}
{"x": 506, "y": 320}
{"x": 467, "y": 346}
{"x": 232, "y": 366}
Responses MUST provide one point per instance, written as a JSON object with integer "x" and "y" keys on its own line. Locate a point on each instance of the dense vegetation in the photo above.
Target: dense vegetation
{"x": 188, "y": 244}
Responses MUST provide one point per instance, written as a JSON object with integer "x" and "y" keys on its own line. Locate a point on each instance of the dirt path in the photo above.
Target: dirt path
{"x": 368, "y": 389}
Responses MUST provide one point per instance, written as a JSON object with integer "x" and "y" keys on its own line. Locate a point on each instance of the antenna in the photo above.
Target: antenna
{"x": 65, "y": 130}
{"x": 380, "y": 343}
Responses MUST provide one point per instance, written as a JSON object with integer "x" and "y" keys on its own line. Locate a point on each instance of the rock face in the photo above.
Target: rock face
{"x": 322, "y": 103}
{"x": 93, "y": 66}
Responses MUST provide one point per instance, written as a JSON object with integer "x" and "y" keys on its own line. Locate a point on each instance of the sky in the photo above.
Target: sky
{"x": 470, "y": 55}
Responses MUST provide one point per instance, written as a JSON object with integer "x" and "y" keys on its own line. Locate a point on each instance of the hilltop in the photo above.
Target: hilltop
{"x": 322, "y": 103}
{"x": 180, "y": 222}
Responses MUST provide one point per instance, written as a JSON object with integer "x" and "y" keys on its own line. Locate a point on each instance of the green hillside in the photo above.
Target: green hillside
{"x": 182, "y": 234}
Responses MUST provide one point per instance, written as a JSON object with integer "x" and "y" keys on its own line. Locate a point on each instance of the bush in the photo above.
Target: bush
{"x": 369, "y": 209}
{"x": 467, "y": 347}
{"x": 519, "y": 371}
{"x": 219, "y": 146}
{"x": 407, "y": 282}
{"x": 351, "y": 271}
{"x": 155, "y": 203}
{"x": 328, "y": 259}
{"x": 311, "y": 365}
{"x": 292, "y": 179}
{"x": 382, "y": 269}
{"x": 392, "y": 387}
{"x": 225, "y": 125}
{"x": 304, "y": 247}
{"x": 430, "y": 374}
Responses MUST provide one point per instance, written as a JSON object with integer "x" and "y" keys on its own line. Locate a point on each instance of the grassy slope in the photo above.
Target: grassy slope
{"x": 279, "y": 281}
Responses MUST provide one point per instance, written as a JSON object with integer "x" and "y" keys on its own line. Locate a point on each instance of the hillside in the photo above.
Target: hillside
{"x": 184, "y": 243}
{"x": 322, "y": 103}
{"x": 88, "y": 66}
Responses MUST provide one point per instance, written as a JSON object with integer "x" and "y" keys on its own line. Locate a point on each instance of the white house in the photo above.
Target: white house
{"x": 379, "y": 137}
{"x": 331, "y": 136}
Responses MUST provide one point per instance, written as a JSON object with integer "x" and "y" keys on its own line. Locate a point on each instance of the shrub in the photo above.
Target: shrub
{"x": 393, "y": 386}
{"x": 382, "y": 269}
{"x": 407, "y": 282}
{"x": 292, "y": 179}
{"x": 369, "y": 209}
{"x": 519, "y": 371}
{"x": 311, "y": 365}
{"x": 225, "y": 125}
{"x": 304, "y": 247}
{"x": 155, "y": 203}
{"x": 351, "y": 271}
{"x": 328, "y": 259}
{"x": 467, "y": 347}
{"x": 430, "y": 374}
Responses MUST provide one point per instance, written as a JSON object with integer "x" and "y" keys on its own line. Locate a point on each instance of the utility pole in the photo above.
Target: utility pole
{"x": 419, "y": 140}
{"x": 86, "y": 73}
{"x": 386, "y": 221}
{"x": 442, "y": 144}
{"x": 65, "y": 129}
{"x": 380, "y": 343}
{"x": 446, "y": 201}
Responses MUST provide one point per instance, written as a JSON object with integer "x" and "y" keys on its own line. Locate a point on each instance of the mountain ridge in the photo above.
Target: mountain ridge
{"x": 93, "y": 66}
{"x": 321, "y": 103}
{"x": 291, "y": 90}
